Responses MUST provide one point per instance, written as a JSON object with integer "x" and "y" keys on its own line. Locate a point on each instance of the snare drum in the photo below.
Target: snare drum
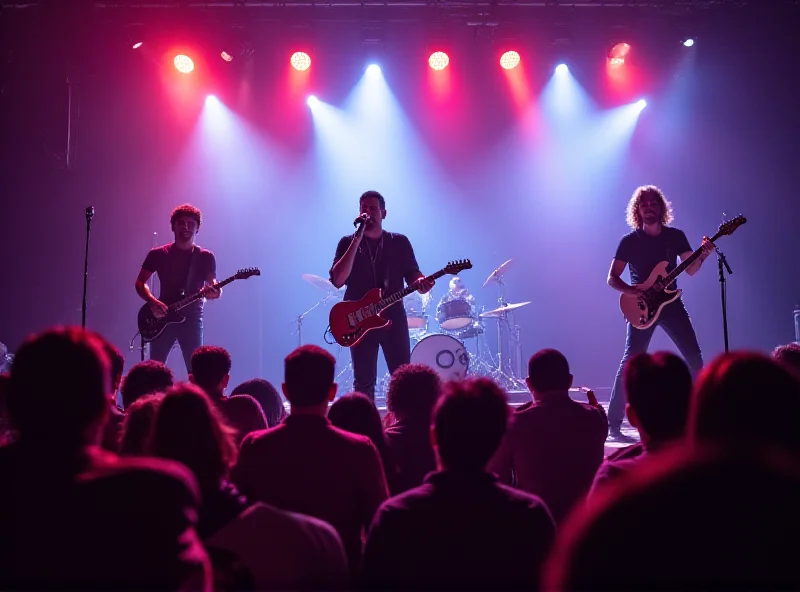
{"x": 444, "y": 354}
{"x": 415, "y": 311}
{"x": 454, "y": 314}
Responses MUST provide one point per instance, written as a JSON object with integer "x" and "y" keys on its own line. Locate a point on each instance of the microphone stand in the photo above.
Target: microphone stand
{"x": 89, "y": 215}
{"x": 722, "y": 261}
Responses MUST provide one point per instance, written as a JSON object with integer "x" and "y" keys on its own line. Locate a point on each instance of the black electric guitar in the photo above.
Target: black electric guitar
{"x": 642, "y": 311}
{"x": 151, "y": 326}
{"x": 351, "y": 320}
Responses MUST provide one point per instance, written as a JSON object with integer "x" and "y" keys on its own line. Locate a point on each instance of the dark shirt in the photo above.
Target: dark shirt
{"x": 410, "y": 443}
{"x": 554, "y": 448}
{"x": 91, "y": 520}
{"x": 458, "y": 531}
{"x": 172, "y": 266}
{"x": 380, "y": 263}
{"x": 306, "y": 465}
{"x": 219, "y": 507}
{"x": 643, "y": 252}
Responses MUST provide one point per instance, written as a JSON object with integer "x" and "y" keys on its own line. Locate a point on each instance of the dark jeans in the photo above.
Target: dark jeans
{"x": 676, "y": 324}
{"x": 189, "y": 335}
{"x": 396, "y": 347}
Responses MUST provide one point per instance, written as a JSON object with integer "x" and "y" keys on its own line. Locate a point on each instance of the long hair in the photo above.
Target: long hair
{"x": 189, "y": 428}
{"x": 633, "y": 217}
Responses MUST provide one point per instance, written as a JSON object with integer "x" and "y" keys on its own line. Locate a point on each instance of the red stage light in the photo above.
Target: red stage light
{"x": 300, "y": 61}
{"x": 509, "y": 60}
{"x": 617, "y": 55}
{"x": 226, "y": 56}
{"x": 183, "y": 63}
{"x": 439, "y": 60}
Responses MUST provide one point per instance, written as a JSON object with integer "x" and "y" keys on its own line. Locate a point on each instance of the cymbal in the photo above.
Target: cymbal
{"x": 498, "y": 273}
{"x": 319, "y": 282}
{"x": 499, "y": 312}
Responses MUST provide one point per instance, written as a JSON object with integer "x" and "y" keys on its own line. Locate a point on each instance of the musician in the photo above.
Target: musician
{"x": 183, "y": 268}
{"x": 650, "y": 242}
{"x": 457, "y": 291}
{"x": 373, "y": 258}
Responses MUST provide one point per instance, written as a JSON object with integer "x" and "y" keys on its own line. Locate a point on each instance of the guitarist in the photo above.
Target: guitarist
{"x": 183, "y": 268}
{"x": 373, "y": 258}
{"x": 650, "y": 242}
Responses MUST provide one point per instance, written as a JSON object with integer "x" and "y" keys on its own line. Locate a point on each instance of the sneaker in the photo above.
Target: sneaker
{"x": 616, "y": 435}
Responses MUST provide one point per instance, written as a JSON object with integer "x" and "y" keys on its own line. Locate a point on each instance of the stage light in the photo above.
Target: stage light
{"x": 688, "y": 43}
{"x": 211, "y": 99}
{"x": 300, "y": 61}
{"x": 137, "y": 45}
{"x": 438, "y": 60}
{"x": 617, "y": 55}
{"x": 312, "y": 100}
{"x": 641, "y": 104}
{"x": 562, "y": 69}
{"x": 226, "y": 56}
{"x": 373, "y": 69}
{"x": 183, "y": 63}
{"x": 509, "y": 60}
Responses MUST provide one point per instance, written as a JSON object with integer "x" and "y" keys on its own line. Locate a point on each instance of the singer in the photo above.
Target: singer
{"x": 373, "y": 258}
{"x": 183, "y": 268}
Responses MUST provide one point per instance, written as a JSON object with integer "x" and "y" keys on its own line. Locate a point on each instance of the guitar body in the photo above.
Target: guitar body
{"x": 351, "y": 320}
{"x": 151, "y": 327}
{"x": 642, "y": 312}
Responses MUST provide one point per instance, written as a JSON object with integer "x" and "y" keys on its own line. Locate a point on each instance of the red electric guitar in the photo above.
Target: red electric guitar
{"x": 351, "y": 320}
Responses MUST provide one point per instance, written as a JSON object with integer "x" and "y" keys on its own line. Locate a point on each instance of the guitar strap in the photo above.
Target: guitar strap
{"x": 192, "y": 261}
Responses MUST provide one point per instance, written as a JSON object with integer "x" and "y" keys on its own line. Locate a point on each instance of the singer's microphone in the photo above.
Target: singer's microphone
{"x": 89, "y": 211}
{"x": 362, "y": 219}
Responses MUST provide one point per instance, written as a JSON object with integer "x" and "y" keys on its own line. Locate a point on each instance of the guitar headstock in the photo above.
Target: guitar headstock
{"x": 456, "y": 267}
{"x": 248, "y": 272}
{"x": 727, "y": 227}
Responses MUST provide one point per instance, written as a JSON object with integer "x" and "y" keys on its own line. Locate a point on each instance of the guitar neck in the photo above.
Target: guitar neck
{"x": 397, "y": 296}
{"x": 197, "y": 296}
{"x": 687, "y": 262}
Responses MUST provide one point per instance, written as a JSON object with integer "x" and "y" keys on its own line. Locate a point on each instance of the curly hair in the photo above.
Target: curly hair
{"x": 633, "y": 217}
{"x": 413, "y": 391}
{"x": 187, "y": 210}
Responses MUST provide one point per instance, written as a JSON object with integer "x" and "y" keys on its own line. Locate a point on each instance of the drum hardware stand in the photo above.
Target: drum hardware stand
{"x": 504, "y": 372}
{"x": 302, "y": 316}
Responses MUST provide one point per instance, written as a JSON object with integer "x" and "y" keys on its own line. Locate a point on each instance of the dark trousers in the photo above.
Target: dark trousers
{"x": 676, "y": 324}
{"x": 189, "y": 336}
{"x": 396, "y": 347}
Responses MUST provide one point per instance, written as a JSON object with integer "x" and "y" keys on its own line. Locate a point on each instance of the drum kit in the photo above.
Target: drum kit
{"x": 459, "y": 347}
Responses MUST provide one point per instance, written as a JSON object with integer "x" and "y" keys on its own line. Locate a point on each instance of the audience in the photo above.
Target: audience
{"x": 143, "y": 379}
{"x": 553, "y": 448}
{"x": 412, "y": 394}
{"x": 6, "y": 431}
{"x": 211, "y": 367}
{"x": 745, "y": 400}
{"x": 659, "y": 389}
{"x": 788, "y": 354}
{"x": 357, "y": 414}
{"x": 267, "y": 396}
{"x": 138, "y": 424}
{"x": 461, "y": 530}
{"x": 688, "y": 520}
{"x": 113, "y": 430}
{"x": 308, "y": 466}
{"x": 71, "y": 514}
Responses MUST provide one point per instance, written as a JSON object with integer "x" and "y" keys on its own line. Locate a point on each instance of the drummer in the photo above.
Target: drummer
{"x": 457, "y": 291}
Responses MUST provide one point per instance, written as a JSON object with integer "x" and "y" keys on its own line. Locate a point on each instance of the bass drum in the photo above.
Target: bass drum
{"x": 443, "y": 353}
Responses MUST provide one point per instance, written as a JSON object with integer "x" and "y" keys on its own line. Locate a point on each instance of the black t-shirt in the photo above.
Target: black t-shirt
{"x": 380, "y": 263}
{"x": 172, "y": 266}
{"x": 643, "y": 252}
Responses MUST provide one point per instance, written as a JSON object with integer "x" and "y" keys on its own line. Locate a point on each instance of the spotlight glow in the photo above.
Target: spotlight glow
{"x": 509, "y": 60}
{"x": 438, "y": 60}
{"x": 641, "y": 104}
{"x": 373, "y": 69}
{"x": 300, "y": 61}
{"x": 137, "y": 45}
{"x": 562, "y": 69}
{"x": 211, "y": 99}
{"x": 688, "y": 43}
{"x": 183, "y": 63}
{"x": 312, "y": 100}
{"x": 620, "y": 50}
{"x": 226, "y": 56}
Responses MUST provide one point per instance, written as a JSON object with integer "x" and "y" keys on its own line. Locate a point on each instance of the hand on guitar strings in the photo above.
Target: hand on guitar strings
{"x": 159, "y": 309}
{"x": 211, "y": 292}
{"x": 423, "y": 286}
{"x": 707, "y": 247}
